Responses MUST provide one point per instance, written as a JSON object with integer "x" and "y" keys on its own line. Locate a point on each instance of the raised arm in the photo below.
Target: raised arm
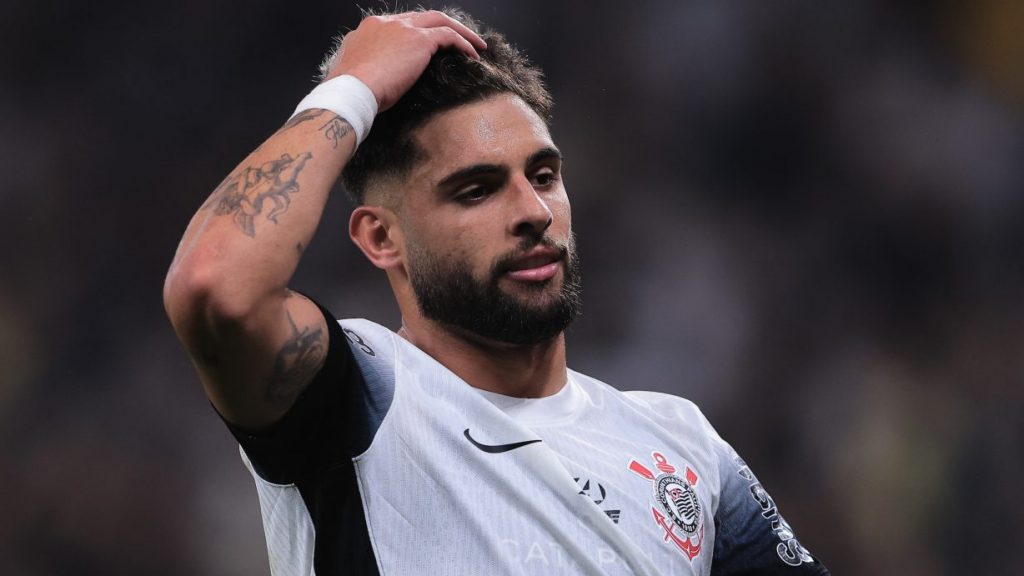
{"x": 255, "y": 343}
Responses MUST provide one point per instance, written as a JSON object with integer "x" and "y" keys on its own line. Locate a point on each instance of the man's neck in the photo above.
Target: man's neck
{"x": 532, "y": 371}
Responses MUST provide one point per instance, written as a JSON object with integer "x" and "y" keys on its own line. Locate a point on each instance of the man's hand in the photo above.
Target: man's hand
{"x": 388, "y": 53}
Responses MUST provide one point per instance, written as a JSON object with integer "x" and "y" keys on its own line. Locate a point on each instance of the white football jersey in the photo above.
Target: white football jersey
{"x": 449, "y": 479}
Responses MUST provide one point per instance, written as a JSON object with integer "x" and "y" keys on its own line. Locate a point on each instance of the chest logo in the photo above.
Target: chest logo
{"x": 496, "y": 448}
{"x": 596, "y": 492}
{"x": 678, "y": 510}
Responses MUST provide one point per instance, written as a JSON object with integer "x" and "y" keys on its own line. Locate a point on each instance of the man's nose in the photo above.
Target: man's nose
{"x": 532, "y": 216}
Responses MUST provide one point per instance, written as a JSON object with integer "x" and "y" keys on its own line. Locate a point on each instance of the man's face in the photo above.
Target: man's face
{"x": 488, "y": 226}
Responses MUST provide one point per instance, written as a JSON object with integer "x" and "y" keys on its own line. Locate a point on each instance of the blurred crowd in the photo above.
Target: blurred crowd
{"x": 807, "y": 217}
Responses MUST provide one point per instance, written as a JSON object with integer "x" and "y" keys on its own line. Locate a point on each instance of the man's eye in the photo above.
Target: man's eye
{"x": 544, "y": 179}
{"x": 472, "y": 194}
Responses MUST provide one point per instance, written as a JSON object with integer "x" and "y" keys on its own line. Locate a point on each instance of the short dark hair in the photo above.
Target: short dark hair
{"x": 451, "y": 79}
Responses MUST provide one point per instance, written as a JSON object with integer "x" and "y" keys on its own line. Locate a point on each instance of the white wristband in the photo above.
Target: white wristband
{"x": 347, "y": 97}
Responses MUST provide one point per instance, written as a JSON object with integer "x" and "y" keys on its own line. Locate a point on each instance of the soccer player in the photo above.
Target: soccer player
{"x": 461, "y": 444}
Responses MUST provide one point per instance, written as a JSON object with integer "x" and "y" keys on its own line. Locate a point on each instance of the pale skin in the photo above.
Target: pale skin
{"x": 256, "y": 344}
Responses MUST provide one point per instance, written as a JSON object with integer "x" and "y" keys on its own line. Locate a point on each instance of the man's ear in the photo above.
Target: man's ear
{"x": 375, "y": 230}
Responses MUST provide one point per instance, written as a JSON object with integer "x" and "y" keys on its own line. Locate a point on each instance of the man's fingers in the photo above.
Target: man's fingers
{"x": 435, "y": 19}
{"x": 447, "y": 38}
{"x": 388, "y": 53}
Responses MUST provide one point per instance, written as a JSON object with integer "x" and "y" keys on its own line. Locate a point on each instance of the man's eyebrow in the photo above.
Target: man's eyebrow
{"x": 472, "y": 171}
{"x": 546, "y": 153}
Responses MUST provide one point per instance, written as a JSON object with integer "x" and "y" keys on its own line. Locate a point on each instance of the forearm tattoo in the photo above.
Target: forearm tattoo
{"x": 244, "y": 193}
{"x": 336, "y": 129}
{"x": 295, "y": 363}
{"x": 303, "y": 116}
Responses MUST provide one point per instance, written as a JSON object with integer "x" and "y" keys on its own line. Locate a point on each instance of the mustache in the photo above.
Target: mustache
{"x": 505, "y": 262}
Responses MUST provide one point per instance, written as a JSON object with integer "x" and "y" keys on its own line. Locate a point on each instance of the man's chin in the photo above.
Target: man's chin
{"x": 501, "y": 309}
{"x": 534, "y": 298}
{"x": 508, "y": 340}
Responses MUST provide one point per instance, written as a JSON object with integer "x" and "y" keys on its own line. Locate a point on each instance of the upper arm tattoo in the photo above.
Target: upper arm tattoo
{"x": 296, "y": 363}
{"x": 244, "y": 192}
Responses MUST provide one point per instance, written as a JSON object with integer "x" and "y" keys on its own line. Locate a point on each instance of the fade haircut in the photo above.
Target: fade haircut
{"x": 451, "y": 79}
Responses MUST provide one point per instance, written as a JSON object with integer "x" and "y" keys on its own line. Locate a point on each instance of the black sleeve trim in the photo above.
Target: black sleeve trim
{"x": 297, "y": 445}
{"x": 751, "y": 537}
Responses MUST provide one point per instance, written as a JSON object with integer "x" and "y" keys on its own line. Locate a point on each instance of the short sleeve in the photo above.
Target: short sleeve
{"x": 316, "y": 433}
{"x": 752, "y": 537}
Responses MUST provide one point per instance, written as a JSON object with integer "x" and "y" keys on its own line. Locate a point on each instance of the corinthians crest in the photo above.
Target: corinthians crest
{"x": 680, "y": 515}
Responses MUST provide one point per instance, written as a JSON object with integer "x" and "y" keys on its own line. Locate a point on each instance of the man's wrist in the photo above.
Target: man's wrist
{"x": 349, "y": 98}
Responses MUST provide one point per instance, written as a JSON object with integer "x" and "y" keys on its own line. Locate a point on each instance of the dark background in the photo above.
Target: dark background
{"x": 805, "y": 216}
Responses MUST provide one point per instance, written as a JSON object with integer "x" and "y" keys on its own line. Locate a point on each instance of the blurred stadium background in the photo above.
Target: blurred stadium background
{"x": 808, "y": 217}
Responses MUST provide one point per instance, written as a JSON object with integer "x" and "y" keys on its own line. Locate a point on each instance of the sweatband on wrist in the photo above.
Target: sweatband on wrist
{"x": 347, "y": 97}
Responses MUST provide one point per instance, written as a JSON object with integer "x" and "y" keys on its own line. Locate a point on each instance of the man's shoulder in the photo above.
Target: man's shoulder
{"x": 367, "y": 336}
{"x": 368, "y": 326}
{"x": 662, "y": 400}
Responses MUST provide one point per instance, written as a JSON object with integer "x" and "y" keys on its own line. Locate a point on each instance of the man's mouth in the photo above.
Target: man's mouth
{"x": 537, "y": 265}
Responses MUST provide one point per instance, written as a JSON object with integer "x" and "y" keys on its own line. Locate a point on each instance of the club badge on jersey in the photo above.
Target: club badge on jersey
{"x": 680, "y": 508}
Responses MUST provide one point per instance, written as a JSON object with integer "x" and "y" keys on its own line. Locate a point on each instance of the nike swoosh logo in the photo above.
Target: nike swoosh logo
{"x": 497, "y": 448}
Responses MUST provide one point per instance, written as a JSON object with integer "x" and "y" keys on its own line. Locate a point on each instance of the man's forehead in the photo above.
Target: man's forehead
{"x": 501, "y": 129}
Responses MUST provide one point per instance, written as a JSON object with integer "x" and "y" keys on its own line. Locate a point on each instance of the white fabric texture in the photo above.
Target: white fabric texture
{"x": 435, "y": 504}
{"x": 287, "y": 526}
{"x": 346, "y": 96}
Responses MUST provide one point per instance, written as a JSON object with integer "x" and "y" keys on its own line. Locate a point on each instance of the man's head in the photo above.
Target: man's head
{"x": 462, "y": 201}
{"x": 451, "y": 79}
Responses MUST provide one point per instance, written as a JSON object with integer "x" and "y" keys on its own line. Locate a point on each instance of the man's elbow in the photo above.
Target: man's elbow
{"x": 201, "y": 301}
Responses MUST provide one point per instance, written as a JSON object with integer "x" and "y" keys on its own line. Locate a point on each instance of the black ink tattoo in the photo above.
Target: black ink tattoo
{"x": 303, "y": 116}
{"x": 243, "y": 193}
{"x": 336, "y": 129}
{"x": 296, "y": 363}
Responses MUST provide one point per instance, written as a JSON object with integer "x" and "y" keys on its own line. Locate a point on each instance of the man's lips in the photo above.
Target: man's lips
{"x": 538, "y": 274}
{"x": 536, "y": 266}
